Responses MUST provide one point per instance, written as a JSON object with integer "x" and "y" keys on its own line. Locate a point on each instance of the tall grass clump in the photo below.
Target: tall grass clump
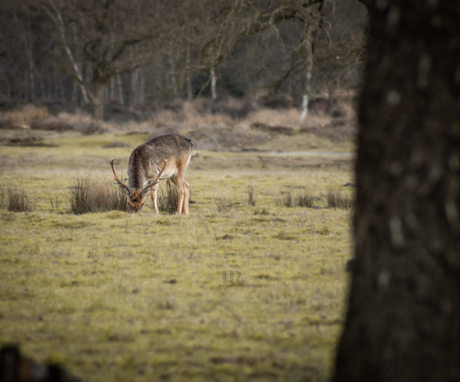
{"x": 15, "y": 199}
{"x": 168, "y": 199}
{"x": 288, "y": 199}
{"x": 339, "y": 199}
{"x": 95, "y": 196}
{"x": 252, "y": 196}
{"x": 3, "y": 198}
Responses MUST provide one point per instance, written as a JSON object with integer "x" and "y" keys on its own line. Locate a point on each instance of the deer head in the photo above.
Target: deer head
{"x": 136, "y": 196}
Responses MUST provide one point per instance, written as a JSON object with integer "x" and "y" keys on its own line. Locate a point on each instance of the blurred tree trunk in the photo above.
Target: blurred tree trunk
{"x": 403, "y": 318}
{"x": 119, "y": 89}
{"x": 99, "y": 98}
{"x": 213, "y": 83}
{"x": 330, "y": 95}
{"x": 189, "y": 81}
{"x": 132, "y": 94}
{"x": 172, "y": 71}
{"x": 141, "y": 91}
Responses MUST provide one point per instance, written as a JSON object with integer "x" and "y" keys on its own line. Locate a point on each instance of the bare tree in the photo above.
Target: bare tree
{"x": 102, "y": 33}
{"x": 179, "y": 44}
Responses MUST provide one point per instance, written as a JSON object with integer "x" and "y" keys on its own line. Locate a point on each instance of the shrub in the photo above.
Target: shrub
{"x": 14, "y": 199}
{"x": 91, "y": 196}
{"x": 339, "y": 199}
{"x": 92, "y": 128}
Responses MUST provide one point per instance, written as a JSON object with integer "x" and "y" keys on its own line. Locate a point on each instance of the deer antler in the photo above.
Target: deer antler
{"x": 116, "y": 177}
{"x": 156, "y": 180}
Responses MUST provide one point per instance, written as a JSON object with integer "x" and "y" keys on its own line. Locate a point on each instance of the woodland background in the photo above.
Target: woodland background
{"x": 138, "y": 56}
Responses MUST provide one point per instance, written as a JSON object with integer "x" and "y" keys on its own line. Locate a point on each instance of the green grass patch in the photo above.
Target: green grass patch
{"x": 233, "y": 291}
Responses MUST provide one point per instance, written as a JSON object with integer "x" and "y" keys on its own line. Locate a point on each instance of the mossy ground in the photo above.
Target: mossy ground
{"x": 231, "y": 292}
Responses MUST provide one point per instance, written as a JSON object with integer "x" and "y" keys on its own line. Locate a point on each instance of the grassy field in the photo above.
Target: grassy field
{"x": 231, "y": 292}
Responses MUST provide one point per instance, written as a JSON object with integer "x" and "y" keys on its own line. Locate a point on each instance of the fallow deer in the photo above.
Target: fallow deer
{"x": 165, "y": 157}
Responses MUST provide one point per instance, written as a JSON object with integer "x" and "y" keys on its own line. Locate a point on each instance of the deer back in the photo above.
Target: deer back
{"x": 147, "y": 158}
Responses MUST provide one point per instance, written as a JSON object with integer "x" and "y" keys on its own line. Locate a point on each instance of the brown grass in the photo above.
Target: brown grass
{"x": 192, "y": 115}
{"x": 78, "y": 121}
{"x": 288, "y": 118}
{"x": 23, "y": 117}
{"x": 92, "y": 196}
{"x": 339, "y": 199}
{"x": 288, "y": 199}
{"x": 15, "y": 199}
{"x": 168, "y": 199}
{"x": 252, "y": 196}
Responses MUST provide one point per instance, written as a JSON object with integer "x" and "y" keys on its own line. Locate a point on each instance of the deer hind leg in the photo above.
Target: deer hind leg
{"x": 154, "y": 196}
{"x": 182, "y": 205}
{"x": 185, "y": 206}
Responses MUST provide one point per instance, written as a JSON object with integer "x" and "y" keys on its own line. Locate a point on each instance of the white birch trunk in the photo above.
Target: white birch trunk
{"x": 60, "y": 24}
{"x": 309, "y": 68}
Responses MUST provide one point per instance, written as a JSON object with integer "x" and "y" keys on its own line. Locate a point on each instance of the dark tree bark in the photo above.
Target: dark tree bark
{"x": 403, "y": 318}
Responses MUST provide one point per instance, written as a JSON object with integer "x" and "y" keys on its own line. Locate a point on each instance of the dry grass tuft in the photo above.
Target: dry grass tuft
{"x": 339, "y": 199}
{"x": 192, "y": 115}
{"x": 15, "y": 199}
{"x": 78, "y": 121}
{"x": 90, "y": 196}
{"x": 288, "y": 199}
{"x": 23, "y": 117}
{"x": 252, "y": 196}
{"x": 168, "y": 199}
{"x": 289, "y": 118}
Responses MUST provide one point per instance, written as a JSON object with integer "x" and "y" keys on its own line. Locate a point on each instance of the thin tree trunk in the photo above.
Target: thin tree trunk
{"x": 42, "y": 89}
{"x": 330, "y": 98}
{"x": 32, "y": 81}
{"x": 133, "y": 93}
{"x": 100, "y": 96}
{"x": 213, "y": 83}
{"x": 73, "y": 98}
{"x": 119, "y": 89}
{"x": 111, "y": 90}
{"x": 172, "y": 73}
{"x": 403, "y": 317}
{"x": 30, "y": 58}
{"x": 189, "y": 81}
{"x": 60, "y": 25}
{"x": 141, "y": 92}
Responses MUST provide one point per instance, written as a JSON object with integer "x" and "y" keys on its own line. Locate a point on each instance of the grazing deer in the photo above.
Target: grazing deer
{"x": 165, "y": 157}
